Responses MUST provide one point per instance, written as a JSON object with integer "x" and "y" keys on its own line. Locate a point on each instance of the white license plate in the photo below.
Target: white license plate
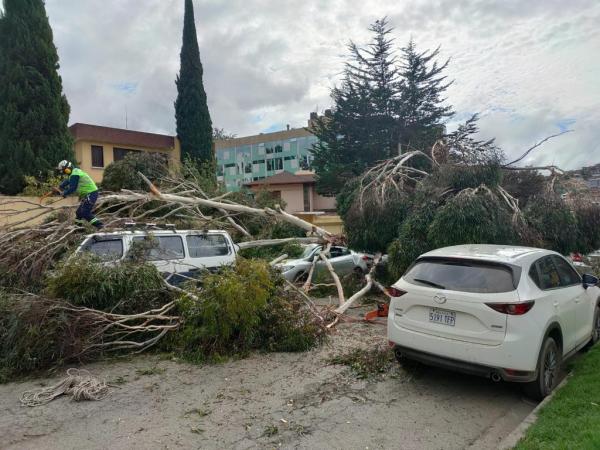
{"x": 442, "y": 316}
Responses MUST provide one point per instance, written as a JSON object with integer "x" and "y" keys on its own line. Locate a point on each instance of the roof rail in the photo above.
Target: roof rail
{"x": 150, "y": 225}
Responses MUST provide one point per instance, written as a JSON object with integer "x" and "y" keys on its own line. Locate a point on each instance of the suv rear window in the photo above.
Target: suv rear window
{"x": 105, "y": 249}
{"x": 463, "y": 275}
{"x": 203, "y": 245}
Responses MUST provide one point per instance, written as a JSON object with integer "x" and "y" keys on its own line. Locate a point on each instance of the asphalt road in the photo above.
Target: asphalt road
{"x": 270, "y": 401}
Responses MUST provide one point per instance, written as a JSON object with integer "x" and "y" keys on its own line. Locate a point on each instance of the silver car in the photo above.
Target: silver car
{"x": 343, "y": 260}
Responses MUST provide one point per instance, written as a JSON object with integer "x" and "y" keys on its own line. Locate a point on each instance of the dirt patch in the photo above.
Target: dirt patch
{"x": 289, "y": 400}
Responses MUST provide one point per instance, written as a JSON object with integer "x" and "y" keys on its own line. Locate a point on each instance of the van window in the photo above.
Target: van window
{"x": 166, "y": 247}
{"x": 462, "y": 275}
{"x": 203, "y": 245}
{"x": 106, "y": 249}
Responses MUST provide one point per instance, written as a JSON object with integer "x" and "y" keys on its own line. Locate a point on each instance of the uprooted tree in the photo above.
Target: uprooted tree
{"x": 88, "y": 309}
{"x": 464, "y": 193}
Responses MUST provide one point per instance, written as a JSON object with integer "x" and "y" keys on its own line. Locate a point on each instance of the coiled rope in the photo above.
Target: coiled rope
{"x": 79, "y": 383}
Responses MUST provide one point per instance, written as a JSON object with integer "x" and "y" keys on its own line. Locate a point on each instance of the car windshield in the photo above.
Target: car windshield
{"x": 309, "y": 251}
{"x": 462, "y": 275}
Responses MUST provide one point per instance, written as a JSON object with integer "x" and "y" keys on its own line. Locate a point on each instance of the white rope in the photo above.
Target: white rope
{"x": 80, "y": 384}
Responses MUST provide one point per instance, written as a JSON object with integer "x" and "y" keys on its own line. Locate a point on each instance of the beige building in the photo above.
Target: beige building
{"x": 297, "y": 191}
{"x": 96, "y": 146}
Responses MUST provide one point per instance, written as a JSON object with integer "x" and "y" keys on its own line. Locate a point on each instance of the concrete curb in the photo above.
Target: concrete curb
{"x": 515, "y": 436}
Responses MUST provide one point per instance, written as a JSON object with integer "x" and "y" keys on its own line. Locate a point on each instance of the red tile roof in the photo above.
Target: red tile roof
{"x": 283, "y": 178}
{"x": 82, "y": 131}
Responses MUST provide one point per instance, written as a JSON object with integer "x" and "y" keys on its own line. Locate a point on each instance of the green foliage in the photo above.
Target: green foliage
{"x": 123, "y": 174}
{"x": 552, "y": 220}
{"x": 33, "y": 110}
{"x": 194, "y": 126}
{"x": 523, "y": 184}
{"x": 413, "y": 239}
{"x": 472, "y": 217}
{"x": 37, "y": 188}
{"x": 243, "y": 308}
{"x": 366, "y": 363}
{"x": 462, "y": 177}
{"x": 124, "y": 288}
{"x": 32, "y": 336}
{"x": 382, "y": 103}
{"x": 588, "y": 227}
{"x": 371, "y": 226}
{"x": 292, "y": 249}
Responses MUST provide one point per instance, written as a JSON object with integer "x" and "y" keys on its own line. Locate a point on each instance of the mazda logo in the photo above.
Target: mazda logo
{"x": 439, "y": 298}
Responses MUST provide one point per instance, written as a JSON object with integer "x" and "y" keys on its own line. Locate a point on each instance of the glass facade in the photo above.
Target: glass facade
{"x": 238, "y": 164}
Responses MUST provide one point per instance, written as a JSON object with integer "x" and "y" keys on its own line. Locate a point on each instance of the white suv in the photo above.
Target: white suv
{"x": 181, "y": 252}
{"x": 511, "y": 313}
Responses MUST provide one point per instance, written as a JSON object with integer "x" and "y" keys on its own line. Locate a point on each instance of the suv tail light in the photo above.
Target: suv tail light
{"x": 394, "y": 292}
{"x": 576, "y": 257}
{"x": 513, "y": 309}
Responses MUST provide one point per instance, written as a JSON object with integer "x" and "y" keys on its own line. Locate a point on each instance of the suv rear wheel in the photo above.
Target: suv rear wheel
{"x": 548, "y": 370}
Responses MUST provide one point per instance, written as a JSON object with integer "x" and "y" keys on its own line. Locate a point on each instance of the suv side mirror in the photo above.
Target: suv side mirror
{"x": 589, "y": 280}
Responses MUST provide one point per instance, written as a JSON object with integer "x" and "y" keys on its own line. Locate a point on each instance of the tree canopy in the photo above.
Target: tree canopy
{"x": 34, "y": 112}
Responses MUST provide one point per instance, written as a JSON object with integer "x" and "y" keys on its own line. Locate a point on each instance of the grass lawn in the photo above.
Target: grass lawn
{"x": 571, "y": 420}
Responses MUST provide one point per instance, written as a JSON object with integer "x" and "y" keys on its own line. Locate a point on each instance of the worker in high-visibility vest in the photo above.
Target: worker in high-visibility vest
{"x": 80, "y": 182}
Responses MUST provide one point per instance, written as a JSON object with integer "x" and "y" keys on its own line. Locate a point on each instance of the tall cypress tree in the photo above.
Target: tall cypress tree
{"x": 34, "y": 112}
{"x": 194, "y": 127}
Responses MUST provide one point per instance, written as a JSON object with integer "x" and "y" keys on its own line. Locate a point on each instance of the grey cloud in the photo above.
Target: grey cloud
{"x": 524, "y": 65}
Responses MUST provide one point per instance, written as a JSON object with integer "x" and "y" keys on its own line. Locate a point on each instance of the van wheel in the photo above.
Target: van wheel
{"x": 595, "y": 328}
{"x": 548, "y": 368}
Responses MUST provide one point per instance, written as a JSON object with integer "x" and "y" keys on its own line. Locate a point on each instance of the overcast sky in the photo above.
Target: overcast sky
{"x": 529, "y": 67}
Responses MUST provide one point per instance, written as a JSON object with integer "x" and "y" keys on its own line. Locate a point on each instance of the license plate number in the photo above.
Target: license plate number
{"x": 442, "y": 316}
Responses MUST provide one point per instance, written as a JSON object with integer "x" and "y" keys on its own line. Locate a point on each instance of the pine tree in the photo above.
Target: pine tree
{"x": 422, "y": 111}
{"x": 34, "y": 112}
{"x": 194, "y": 126}
{"x": 361, "y": 128}
{"x": 384, "y": 105}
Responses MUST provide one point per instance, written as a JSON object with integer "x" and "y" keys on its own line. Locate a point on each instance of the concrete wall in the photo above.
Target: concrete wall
{"x": 330, "y": 222}
{"x": 322, "y": 203}
{"x": 83, "y": 154}
{"x": 25, "y": 209}
{"x": 291, "y": 194}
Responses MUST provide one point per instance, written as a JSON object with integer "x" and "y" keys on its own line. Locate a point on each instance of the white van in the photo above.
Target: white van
{"x": 171, "y": 251}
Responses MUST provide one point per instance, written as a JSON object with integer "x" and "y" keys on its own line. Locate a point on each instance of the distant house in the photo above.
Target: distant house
{"x": 297, "y": 191}
{"x": 96, "y": 146}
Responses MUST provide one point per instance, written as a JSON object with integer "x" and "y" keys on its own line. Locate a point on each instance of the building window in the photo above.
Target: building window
{"x": 275, "y": 164}
{"x": 288, "y": 158}
{"x": 278, "y": 148}
{"x": 120, "y": 153}
{"x": 97, "y": 156}
{"x": 306, "y": 195}
{"x": 269, "y": 150}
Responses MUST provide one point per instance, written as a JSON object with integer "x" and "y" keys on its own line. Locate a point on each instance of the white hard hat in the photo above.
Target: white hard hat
{"x": 64, "y": 164}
